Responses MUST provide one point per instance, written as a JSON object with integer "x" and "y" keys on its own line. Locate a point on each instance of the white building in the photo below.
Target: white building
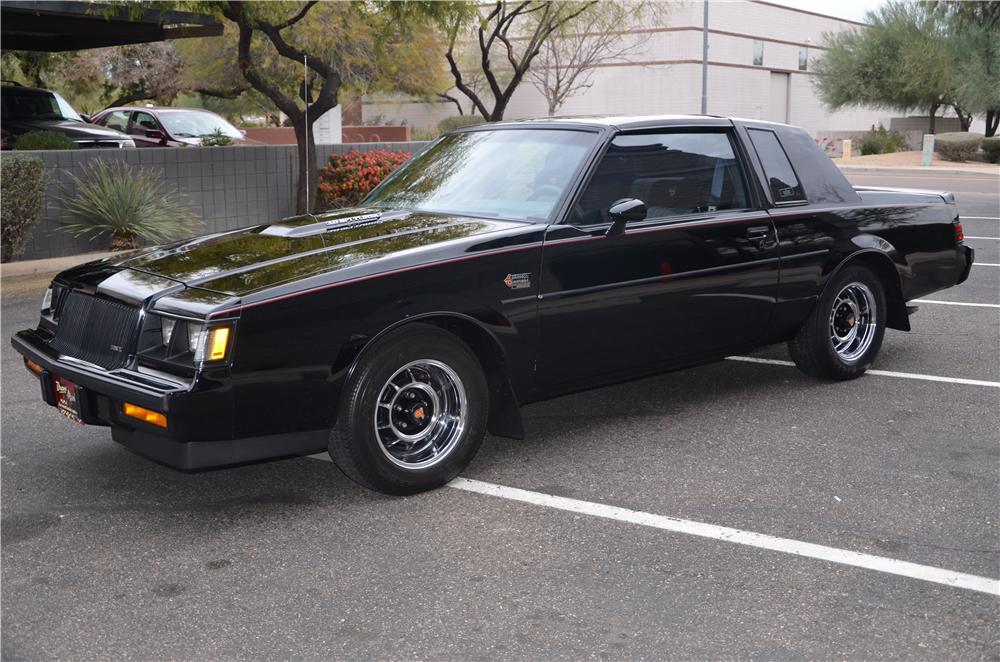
{"x": 760, "y": 57}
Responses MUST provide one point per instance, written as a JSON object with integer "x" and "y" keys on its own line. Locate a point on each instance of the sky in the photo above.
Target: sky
{"x": 850, "y": 9}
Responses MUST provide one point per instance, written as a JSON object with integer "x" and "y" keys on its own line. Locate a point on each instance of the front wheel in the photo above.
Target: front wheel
{"x": 413, "y": 415}
{"x": 843, "y": 334}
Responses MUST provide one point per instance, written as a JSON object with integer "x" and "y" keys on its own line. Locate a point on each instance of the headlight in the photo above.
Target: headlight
{"x": 167, "y": 329}
{"x": 183, "y": 343}
{"x": 47, "y": 299}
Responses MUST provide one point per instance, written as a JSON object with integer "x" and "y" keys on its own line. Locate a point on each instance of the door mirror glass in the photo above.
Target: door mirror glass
{"x": 626, "y": 210}
{"x": 154, "y": 134}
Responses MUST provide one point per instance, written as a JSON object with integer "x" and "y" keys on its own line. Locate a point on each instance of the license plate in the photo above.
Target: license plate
{"x": 66, "y": 401}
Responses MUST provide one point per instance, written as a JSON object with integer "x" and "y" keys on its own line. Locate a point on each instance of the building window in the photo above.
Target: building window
{"x": 758, "y": 52}
{"x": 803, "y": 59}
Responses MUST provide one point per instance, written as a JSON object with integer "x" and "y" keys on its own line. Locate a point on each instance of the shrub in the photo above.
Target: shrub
{"x": 992, "y": 148}
{"x": 458, "y": 122}
{"x": 957, "y": 145}
{"x": 21, "y": 203}
{"x": 217, "y": 139}
{"x": 43, "y": 140}
{"x": 128, "y": 204}
{"x": 348, "y": 178}
{"x": 880, "y": 141}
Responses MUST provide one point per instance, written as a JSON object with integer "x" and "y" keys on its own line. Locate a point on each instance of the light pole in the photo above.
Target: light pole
{"x": 704, "y": 63}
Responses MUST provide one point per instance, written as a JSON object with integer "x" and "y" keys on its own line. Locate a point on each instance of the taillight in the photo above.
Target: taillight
{"x": 959, "y": 233}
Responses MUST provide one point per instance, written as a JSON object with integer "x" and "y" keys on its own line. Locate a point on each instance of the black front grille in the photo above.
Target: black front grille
{"x": 96, "y": 330}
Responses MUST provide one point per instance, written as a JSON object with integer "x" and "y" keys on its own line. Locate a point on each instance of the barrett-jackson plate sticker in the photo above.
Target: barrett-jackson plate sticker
{"x": 66, "y": 401}
{"x": 517, "y": 281}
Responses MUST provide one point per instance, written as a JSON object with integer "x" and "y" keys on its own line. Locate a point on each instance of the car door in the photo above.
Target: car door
{"x": 696, "y": 278}
{"x": 142, "y": 124}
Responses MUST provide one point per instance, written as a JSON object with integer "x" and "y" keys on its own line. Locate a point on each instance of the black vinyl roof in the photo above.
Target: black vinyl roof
{"x": 32, "y": 25}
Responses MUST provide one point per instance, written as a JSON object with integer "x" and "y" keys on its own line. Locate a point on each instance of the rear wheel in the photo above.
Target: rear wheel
{"x": 843, "y": 334}
{"x": 413, "y": 414}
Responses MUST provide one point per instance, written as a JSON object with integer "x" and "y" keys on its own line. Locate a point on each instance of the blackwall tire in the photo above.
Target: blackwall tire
{"x": 413, "y": 414}
{"x": 844, "y": 332}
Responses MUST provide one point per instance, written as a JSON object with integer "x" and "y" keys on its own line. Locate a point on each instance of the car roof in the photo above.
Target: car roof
{"x": 158, "y": 109}
{"x": 618, "y": 121}
{"x": 7, "y": 87}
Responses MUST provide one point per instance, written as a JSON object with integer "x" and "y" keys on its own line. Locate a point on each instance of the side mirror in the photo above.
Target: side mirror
{"x": 626, "y": 210}
{"x": 87, "y": 118}
{"x": 153, "y": 134}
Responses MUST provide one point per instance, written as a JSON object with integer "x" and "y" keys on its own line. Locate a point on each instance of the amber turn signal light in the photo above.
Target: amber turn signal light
{"x": 143, "y": 414}
{"x": 218, "y": 341}
{"x": 32, "y": 366}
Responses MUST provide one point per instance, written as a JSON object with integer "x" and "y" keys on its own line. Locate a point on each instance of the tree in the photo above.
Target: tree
{"x": 300, "y": 55}
{"x": 565, "y": 65}
{"x": 975, "y": 39}
{"x": 903, "y": 61}
{"x": 511, "y": 32}
{"x": 138, "y": 72}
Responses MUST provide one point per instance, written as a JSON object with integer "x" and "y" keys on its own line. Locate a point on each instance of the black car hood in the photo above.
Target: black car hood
{"x": 70, "y": 128}
{"x": 243, "y": 261}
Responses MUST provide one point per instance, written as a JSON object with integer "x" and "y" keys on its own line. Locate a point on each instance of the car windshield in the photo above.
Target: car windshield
{"x": 197, "y": 124}
{"x": 516, "y": 174}
{"x": 36, "y": 105}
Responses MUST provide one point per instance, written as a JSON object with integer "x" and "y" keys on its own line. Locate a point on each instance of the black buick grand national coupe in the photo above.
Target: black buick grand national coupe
{"x": 504, "y": 264}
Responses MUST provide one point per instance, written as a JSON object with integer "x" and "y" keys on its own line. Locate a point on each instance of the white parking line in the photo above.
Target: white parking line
{"x": 993, "y": 238}
{"x": 737, "y": 536}
{"x": 981, "y": 218}
{"x": 984, "y": 264}
{"x": 882, "y": 373}
{"x": 957, "y": 303}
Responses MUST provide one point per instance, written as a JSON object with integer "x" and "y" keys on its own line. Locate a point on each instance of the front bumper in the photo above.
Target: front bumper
{"x": 200, "y": 426}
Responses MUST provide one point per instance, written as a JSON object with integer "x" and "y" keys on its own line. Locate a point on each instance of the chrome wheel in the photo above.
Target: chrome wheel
{"x": 853, "y": 321}
{"x": 421, "y": 414}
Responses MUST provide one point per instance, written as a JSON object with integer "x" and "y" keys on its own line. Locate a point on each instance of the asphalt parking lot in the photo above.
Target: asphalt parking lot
{"x": 107, "y": 555}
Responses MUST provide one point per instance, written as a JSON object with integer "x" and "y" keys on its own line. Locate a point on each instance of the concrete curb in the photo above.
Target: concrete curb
{"x": 931, "y": 169}
{"x": 51, "y": 265}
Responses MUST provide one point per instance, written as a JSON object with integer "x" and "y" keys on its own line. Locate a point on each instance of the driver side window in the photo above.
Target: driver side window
{"x": 143, "y": 122}
{"x": 673, "y": 173}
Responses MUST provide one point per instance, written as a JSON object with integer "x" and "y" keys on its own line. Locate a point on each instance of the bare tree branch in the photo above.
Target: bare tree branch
{"x": 567, "y": 61}
{"x": 531, "y": 22}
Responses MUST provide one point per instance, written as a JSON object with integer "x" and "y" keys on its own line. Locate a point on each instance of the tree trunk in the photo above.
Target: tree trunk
{"x": 992, "y": 120}
{"x": 930, "y": 121}
{"x": 964, "y": 119}
{"x": 308, "y": 172}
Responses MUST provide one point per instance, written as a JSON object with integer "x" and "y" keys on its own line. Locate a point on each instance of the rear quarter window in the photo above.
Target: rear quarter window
{"x": 781, "y": 177}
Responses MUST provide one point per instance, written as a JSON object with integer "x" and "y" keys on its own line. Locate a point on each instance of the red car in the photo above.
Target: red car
{"x": 167, "y": 127}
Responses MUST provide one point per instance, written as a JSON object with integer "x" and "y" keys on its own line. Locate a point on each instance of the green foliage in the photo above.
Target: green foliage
{"x": 128, "y": 204}
{"x": 977, "y": 46}
{"x": 901, "y": 61}
{"x": 21, "y": 203}
{"x": 991, "y": 146}
{"x": 42, "y": 140}
{"x": 957, "y": 146}
{"x": 880, "y": 141}
{"x": 217, "y": 139}
{"x": 458, "y": 122}
{"x": 348, "y": 178}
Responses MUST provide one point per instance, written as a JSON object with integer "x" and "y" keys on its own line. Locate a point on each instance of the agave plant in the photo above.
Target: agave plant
{"x": 129, "y": 204}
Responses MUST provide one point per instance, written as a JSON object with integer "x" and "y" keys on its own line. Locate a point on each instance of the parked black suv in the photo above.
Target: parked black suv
{"x": 27, "y": 109}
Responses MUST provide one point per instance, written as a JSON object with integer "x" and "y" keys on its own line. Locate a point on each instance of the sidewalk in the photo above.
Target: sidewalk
{"x": 911, "y": 161}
